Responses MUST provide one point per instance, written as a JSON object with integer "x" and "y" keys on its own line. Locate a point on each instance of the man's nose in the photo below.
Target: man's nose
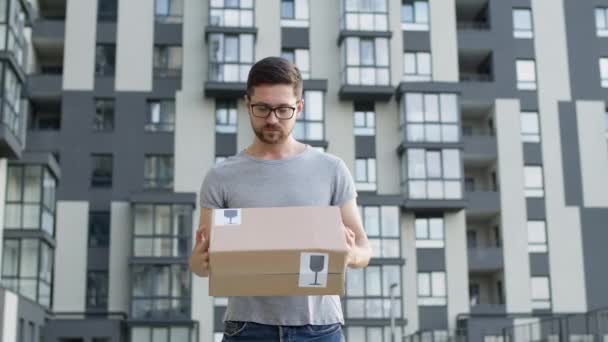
{"x": 272, "y": 118}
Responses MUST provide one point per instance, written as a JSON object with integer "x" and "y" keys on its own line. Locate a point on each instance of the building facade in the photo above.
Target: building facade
{"x": 476, "y": 132}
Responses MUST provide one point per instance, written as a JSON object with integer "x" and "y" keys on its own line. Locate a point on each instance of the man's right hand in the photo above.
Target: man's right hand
{"x": 199, "y": 260}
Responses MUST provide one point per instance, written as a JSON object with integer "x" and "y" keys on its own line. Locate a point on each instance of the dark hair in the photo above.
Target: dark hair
{"x": 275, "y": 70}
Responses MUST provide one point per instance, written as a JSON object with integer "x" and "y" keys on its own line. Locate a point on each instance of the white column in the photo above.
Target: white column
{"x": 120, "y": 251}
{"x": 444, "y": 40}
{"x": 410, "y": 273}
{"x": 456, "y": 266}
{"x": 79, "y": 49}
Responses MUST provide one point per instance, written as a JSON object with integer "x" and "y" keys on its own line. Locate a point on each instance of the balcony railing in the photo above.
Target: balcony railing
{"x": 475, "y": 77}
{"x": 474, "y": 25}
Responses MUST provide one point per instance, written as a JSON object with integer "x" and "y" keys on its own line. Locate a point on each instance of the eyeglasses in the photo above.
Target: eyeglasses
{"x": 281, "y": 112}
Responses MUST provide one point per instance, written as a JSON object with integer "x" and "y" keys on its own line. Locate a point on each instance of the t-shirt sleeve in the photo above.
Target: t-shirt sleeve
{"x": 212, "y": 193}
{"x": 344, "y": 186}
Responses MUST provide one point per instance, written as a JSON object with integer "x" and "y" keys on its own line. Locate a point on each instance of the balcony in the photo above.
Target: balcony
{"x": 230, "y": 59}
{"x": 483, "y": 259}
{"x": 478, "y": 133}
{"x": 475, "y": 66}
{"x": 48, "y": 34}
{"x": 473, "y": 14}
{"x": 44, "y": 86}
{"x": 52, "y": 9}
{"x": 486, "y": 294}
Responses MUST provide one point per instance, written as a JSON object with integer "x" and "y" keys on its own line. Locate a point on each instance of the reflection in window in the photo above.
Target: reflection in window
{"x": 429, "y": 232}
{"x": 537, "y": 237}
{"x": 382, "y": 227}
{"x": 231, "y": 13}
{"x": 161, "y": 230}
{"x": 230, "y": 57}
{"x": 301, "y": 58}
{"x": 530, "y": 128}
{"x": 601, "y": 21}
{"x": 432, "y": 174}
{"x": 365, "y": 61}
{"x": 368, "y": 291}
{"x": 526, "y": 74}
{"x": 161, "y": 116}
{"x": 415, "y": 15}
{"x": 522, "y": 23}
{"x": 294, "y": 13}
{"x": 365, "y": 119}
{"x": 541, "y": 293}
{"x": 533, "y": 178}
{"x": 417, "y": 66}
{"x": 365, "y": 15}
{"x": 604, "y": 71}
{"x": 225, "y": 116}
{"x": 167, "y": 61}
{"x": 309, "y": 126}
{"x": 365, "y": 174}
{"x": 158, "y": 172}
{"x": 431, "y": 288}
{"x": 169, "y": 11}
{"x": 430, "y": 117}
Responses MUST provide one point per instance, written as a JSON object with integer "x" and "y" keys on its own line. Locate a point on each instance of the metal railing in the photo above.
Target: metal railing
{"x": 473, "y": 25}
{"x": 437, "y": 336}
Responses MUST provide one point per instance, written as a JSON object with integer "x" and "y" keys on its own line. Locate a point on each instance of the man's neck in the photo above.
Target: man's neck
{"x": 286, "y": 149}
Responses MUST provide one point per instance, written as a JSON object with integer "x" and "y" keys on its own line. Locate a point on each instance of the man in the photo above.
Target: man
{"x": 278, "y": 171}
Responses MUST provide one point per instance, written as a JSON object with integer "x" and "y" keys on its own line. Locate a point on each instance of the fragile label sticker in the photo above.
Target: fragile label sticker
{"x": 313, "y": 269}
{"x": 227, "y": 217}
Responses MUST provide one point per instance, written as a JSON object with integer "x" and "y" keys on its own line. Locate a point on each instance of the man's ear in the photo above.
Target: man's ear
{"x": 299, "y": 108}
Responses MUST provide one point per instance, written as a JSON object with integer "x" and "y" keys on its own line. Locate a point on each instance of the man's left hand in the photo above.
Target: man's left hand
{"x": 351, "y": 245}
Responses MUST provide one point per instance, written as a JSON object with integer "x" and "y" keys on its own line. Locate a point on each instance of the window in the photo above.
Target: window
{"x": 309, "y": 125}
{"x": 526, "y": 74}
{"x": 161, "y": 230}
{"x": 107, "y": 10}
{"x": 160, "y": 292}
{"x": 522, "y": 23}
{"x": 604, "y": 71}
{"x": 101, "y": 176}
{"x": 530, "y": 128}
{"x": 97, "y": 290}
{"x": 161, "y": 334}
{"x": 533, "y": 177}
{"x": 169, "y": 11}
{"x": 541, "y": 293}
{"x": 415, "y": 15}
{"x": 374, "y": 333}
{"x": 301, "y": 58}
{"x": 601, "y": 21}
{"x": 225, "y": 116}
{"x": 366, "y": 61}
{"x": 368, "y": 292}
{"x": 27, "y": 268}
{"x": 433, "y": 174}
{"x": 431, "y": 288}
{"x": 99, "y": 229}
{"x": 231, "y": 13}
{"x": 45, "y": 120}
{"x": 230, "y": 57}
{"x": 12, "y": 102}
{"x": 103, "y": 121}
{"x": 417, "y": 66}
{"x": 105, "y": 59}
{"x": 429, "y": 232}
{"x": 365, "y": 15}
{"x": 158, "y": 172}
{"x": 294, "y": 13}
{"x": 382, "y": 228}
{"x": 365, "y": 174}
{"x": 167, "y": 61}
{"x": 537, "y": 237}
{"x": 430, "y": 117}
{"x": 365, "y": 119}
{"x": 161, "y": 116}
{"x": 30, "y": 198}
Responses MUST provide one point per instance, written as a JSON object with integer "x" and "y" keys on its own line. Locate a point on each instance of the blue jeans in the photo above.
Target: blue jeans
{"x": 254, "y": 332}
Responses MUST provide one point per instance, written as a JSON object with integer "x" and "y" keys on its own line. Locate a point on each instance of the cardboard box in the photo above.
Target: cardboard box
{"x": 288, "y": 251}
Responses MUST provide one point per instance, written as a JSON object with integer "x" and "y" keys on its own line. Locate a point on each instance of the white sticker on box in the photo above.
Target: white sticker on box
{"x": 227, "y": 217}
{"x": 313, "y": 269}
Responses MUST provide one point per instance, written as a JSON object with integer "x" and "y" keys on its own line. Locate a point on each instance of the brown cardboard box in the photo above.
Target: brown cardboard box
{"x": 288, "y": 251}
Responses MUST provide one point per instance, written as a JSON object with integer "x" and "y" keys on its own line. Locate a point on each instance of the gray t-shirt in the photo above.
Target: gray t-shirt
{"x": 310, "y": 178}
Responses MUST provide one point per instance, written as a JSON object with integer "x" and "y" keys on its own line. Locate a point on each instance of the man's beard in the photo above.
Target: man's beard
{"x": 270, "y": 134}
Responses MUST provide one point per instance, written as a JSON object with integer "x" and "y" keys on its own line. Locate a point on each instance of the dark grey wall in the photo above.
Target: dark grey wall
{"x": 570, "y": 154}
{"x": 115, "y": 330}
{"x": 433, "y": 317}
{"x": 595, "y": 236}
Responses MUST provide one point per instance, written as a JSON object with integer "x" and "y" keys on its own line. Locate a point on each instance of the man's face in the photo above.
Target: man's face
{"x": 272, "y": 130}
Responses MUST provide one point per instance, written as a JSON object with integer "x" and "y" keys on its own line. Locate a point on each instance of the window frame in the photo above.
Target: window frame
{"x": 368, "y": 113}
{"x": 415, "y": 25}
{"x": 534, "y": 191}
{"x": 162, "y": 54}
{"x": 529, "y": 136}
{"x": 108, "y": 68}
{"x": 429, "y": 241}
{"x": 169, "y": 17}
{"x": 222, "y": 13}
{"x": 368, "y": 295}
{"x": 520, "y": 65}
{"x": 523, "y": 33}
{"x": 417, "y": 76}
{"x": 408, "y": 179}
{"x": 156, "y": 237}
{"x": 409, "y": 125}
{"x": 301, "y": 14}
{"x": 353, "y": 69}
{"x": 166, "y": 122}
{"x": 217, "y": 68}
{"x": 230, "y": 108}
{"x": 167, "y": 182}
{"x": 102, "y": 181}
{"x": 302, "y": 130}
{"x": 537, "y": 246}
{"x": 378, "y": 241}
{"x": 104, "y": 121}
{"x": 432, "y": 299}
{"x": 541, "y": 302}
{"x": 365, "y": 182}
{"x": 301, "y": 58}
{"x": 351, "y": 19}
{"x": 601, "y": 31}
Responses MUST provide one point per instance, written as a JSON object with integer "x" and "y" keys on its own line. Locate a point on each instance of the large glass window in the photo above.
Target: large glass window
{"x": 601, "y": 21}
{"x": 429, "y": 232}
{"x": 530, "y": 128}
{"x": 382, "y": 228}
{"x": 161, "y": 230}
{"x": 604, "y": 71}
{"x": 301, "y": 58}
{"x": 16, "y": 31}
{"x": 99, "y": 229}
{"x": 432, "y": 174}
{"x": 537, "y": 237}
{"x": 105, "y": 59}
{"x": 430, "y": 117}
{"x": 374, "y": 333}
{"x": 309, "y": 126}
{"x": 230, "y": 57}
{"x": 365, "y": 15}
{"x": 30, "y": 198}
{"x": 102, "y": 170}
{"x": 431, "y": 288}
{"x": 231, "y": 13}
{"x": 167, "y": 61}
{"x": 541, "y": 293}
{"x": 12, "y": 103}
{"x": 158, "y": 172}
{"x": 368, "y": 292}
{"x": 415, "y": 15}
{"x": 366, "y": 61}
{"x": 97, "y": 290}
{"x": 161, "y": 116}
{"x": 294, "y": 13}
{"x": 416, "y": 66}
{"x": 533, "y": 178}
{"x": 107, "y": 10}
{"x": 526, "y": 74}
{"x": 160, "y": 291}
{"x": 103, "y": 121}
{"x": 522, "y": 23}
{"x": 226, "y": 116}
{"x": 365, "y": 174}
{"x": 169, "y": 11}
{"x": 27, "y": 268}
{"x": 365, "y": 119}
{"x": 162, "y": 334}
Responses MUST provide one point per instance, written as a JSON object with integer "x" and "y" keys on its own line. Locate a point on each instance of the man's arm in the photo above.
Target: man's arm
{"x": 199, "y": 260}
{"x": 360, "y": 252}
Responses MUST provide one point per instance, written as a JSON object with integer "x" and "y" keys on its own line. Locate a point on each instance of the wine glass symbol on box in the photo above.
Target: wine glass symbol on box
{"x": 313, "y": 269}
{"x": 227, "y": 217}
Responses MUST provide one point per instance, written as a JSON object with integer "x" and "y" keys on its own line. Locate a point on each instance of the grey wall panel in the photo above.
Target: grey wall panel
{"x": 430, "y": 259}
{"x": 539, "y": 264}
{"x": 365, "y": 147}
{"x": 595, "y": 235}
{"x": 570, "y": 154}
{"x": 433, "y": 317}
{"x": 295, "y": 38}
